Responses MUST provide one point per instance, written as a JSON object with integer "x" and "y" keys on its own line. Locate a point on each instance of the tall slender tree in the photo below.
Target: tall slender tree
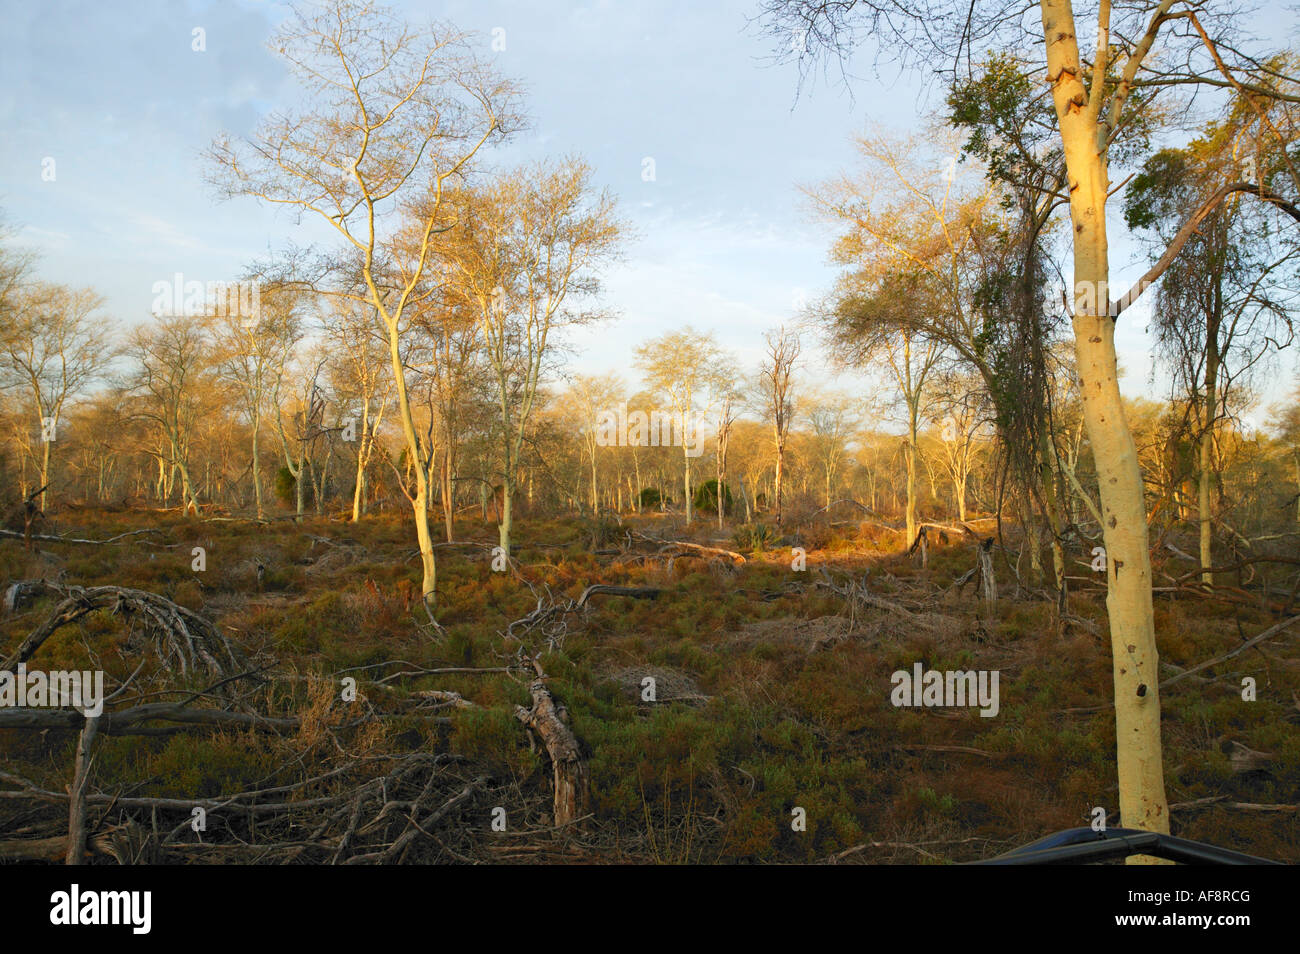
{"x": 394, "y": 116}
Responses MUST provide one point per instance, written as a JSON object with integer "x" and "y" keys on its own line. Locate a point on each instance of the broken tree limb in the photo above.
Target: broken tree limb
{"x": 569, "y": 770}
{"x": 548, "y": 617}
{"x": 666, "y": 545}
{"x": 882, "y": 526}
{"x": 840, "y": 856}
{"x": 847, "y": 500}
{"x": 602, "y": 589}
{"x": 77, "y": 793}
{"x": 988, "y": 581}
{"x": 1221, "y": 801}
{"x": 961, "y": 528}
{"x": 51, "y": 538}
{"x": 697, "y": 548}
{"x": 1244, "y": 759}
{"x": 956, "y": 749}
{"x": 20, "y": 592}
{"x": 419, "y": 671}
{"x": 445, "y": 697}
{"x": 1253, "y": 641}
{"x": 1232, "y": 567}
{"x": 856, "y": 594}
{"x": 325, "y": 815}
{"x": 922, "y": 544}
{"x": 125, "y": 721}
{"x": 416, "y": 828}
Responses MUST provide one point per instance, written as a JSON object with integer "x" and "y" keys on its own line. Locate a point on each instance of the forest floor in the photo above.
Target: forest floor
{"x": 771, "y": 693}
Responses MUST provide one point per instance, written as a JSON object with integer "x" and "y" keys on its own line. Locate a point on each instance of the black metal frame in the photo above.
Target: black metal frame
{"x": 1083, "y": 845}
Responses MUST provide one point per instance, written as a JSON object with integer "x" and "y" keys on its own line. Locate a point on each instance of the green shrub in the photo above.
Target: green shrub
{"x": 286, "y": 488}
{"x": 706, "y": 496}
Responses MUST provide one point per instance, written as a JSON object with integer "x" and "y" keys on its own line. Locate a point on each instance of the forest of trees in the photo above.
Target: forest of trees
{"x": 294, "y": 416}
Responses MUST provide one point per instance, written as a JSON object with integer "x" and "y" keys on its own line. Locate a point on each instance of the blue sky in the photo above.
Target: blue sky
{"x": 113, "y": 92}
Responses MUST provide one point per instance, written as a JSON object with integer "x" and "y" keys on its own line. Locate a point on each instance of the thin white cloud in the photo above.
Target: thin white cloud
{"x": 154, "y": 231}
{"x": 31, "y": 236}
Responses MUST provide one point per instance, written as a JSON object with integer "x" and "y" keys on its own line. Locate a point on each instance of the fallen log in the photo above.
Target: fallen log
{"x": 115, "y": 842}
{"x": 1233, "y": 567}
{"x": 1244, "y": 759}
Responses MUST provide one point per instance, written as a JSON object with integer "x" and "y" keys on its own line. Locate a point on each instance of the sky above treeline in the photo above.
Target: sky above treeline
{"x": 114, "y": 93}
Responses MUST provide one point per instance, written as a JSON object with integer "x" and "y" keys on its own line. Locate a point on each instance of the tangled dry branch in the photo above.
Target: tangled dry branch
{"x": 181, "y": 635}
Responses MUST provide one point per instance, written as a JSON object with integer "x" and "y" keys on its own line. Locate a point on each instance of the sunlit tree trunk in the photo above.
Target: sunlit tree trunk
{"x": 909, "y": 457}
{"x": 448, "y": 495}
{"x": 686, "y": 472}
{"x": 780, "y": 473}
{"x": 46, "y": 441}
{"x": 257, "y": 465}
{"x": 636, "y": 465}
{"x": 420, "y": 502}
{"x": 1206, "y": 462}
{"x": 1132, "y": 626}
{"x": 359, "y": 490}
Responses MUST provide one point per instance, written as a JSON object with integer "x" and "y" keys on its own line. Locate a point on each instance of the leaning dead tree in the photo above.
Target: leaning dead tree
{"x": 987, "y": 585}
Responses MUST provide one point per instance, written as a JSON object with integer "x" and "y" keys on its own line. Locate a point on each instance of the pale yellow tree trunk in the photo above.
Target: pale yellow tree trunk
{"x": 45, "y": 471}
{"x": 359, "y": 489}
{"x": 448, "y": 493}
{"x": 507, "y": 512}
{"x": 1206, "y": 466}
{"x": 909, "y": 455}
{"x": 1128, "y": 566}
{"x": 420, "y": 505}
{"x": 686, "y": 474}
{"x": 780, "y": 472}
{"x": 425, "y": 540}
{"x": 257, "y": 465}
{"x": 1203, "y": 506}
